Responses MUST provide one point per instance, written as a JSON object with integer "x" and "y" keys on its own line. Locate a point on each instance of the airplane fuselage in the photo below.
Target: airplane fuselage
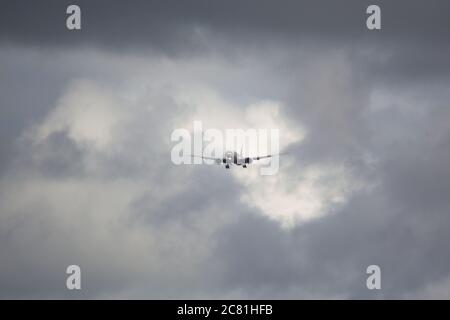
{"x": 232, "y": 157}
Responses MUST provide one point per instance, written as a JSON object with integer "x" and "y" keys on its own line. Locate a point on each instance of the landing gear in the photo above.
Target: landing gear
{"x": 227, "y": 166}
{"x": 244, "y": 166}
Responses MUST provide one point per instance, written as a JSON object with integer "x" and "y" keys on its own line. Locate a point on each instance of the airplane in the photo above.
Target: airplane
{"x": 232, "y": 157}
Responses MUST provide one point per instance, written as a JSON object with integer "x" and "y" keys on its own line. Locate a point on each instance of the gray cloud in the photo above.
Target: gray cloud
{"x": 167, "y": 23}
{"x": 85, "y": 167}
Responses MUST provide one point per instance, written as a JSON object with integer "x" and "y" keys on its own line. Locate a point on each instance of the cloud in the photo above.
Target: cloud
{"x": 173, "y": 27}
{"x": 87, "y": 114}
{"x": 310, "y": 194}
{"x": 85, "y": 167}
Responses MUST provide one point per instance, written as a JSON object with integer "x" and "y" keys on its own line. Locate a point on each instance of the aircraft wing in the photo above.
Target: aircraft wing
{"x": 209, "y": 158}
{"x": 262, "y": 157}
{"x": 216, "y": 160}
{"x": 268, "y": 156}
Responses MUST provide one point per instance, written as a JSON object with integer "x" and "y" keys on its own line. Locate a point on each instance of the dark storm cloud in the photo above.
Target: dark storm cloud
{"x": 413, "y": 42}
{"x": 195, "y": 199}
{"x": 402, "y": 226}
{"x": 24, "y": 97}
{"x": 186, "y": 233}
{"x": 171, "y": 24}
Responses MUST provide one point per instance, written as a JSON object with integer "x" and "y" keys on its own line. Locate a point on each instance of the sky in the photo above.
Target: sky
{"x": 86, "y": 177}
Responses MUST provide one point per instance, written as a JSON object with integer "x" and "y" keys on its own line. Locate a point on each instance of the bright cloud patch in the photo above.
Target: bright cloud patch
{"x": 314, "y": 192}
{"x": 293, "y": 198}
{"x": 88, "y": 114}
{"x": 93, "y": 116}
